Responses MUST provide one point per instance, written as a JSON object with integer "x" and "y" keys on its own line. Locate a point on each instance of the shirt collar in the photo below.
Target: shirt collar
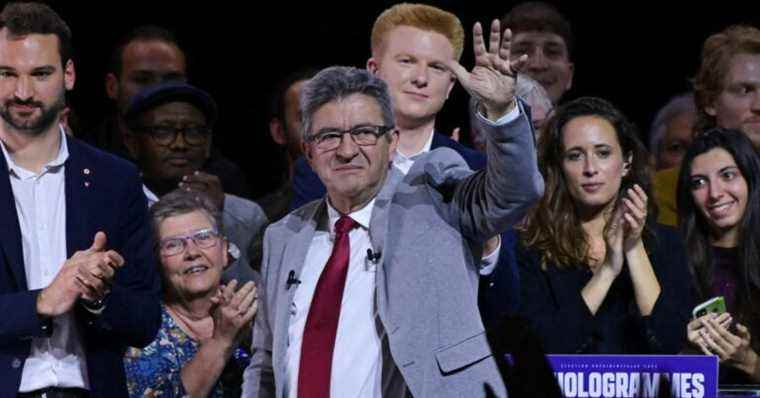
{"x": 425, "y": 148}
{"x": 59, "y": 160}
{"x": 361, "y": 216}
{"x": 151, "y": 197}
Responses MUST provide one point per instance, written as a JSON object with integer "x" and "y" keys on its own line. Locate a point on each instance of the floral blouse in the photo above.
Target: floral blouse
{"x": 154, "y": 371}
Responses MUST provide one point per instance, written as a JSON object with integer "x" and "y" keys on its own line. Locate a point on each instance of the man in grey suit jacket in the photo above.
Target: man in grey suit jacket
{"x": 406, "y": 320}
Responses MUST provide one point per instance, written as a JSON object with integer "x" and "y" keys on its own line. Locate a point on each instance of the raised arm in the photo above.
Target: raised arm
{"x": 492, "y": 200}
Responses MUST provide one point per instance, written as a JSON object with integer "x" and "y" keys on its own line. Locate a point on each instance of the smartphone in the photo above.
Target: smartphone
{"x": 716, "y": 305}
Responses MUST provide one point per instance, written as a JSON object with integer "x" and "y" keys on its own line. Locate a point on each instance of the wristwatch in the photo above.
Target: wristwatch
{"x": 94, "y": 306}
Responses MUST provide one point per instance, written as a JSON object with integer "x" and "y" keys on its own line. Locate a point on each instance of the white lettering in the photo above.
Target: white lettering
{"x": 621, "y": 384}
{"x": 698, "y": 386}
{"x": 675, "y": 384}
{"x": 608, "y": 382}
{"x": 651, "y": 384}
{"x": 633, "y": 385}
{"x": 685, "y": 385}
{"x": 582, "y": 387}
{"x": 560, "y": 381}
{"x": 571, "y": 384}
{"x": 595, "y": 385}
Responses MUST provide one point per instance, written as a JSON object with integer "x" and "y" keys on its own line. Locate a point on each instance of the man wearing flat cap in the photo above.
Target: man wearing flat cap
{"x": 170, "y": 134}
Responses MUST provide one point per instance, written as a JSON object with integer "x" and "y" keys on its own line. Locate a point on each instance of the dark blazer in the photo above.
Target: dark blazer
{"x": 499, "y": 293}
{"x": 551, "y": 301}
{"x": 103, "y": 193}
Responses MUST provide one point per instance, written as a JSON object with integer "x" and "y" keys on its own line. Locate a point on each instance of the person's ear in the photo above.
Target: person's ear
{"x": 372, "y": 66}
{"x": 571, "y": 67}
{"x": 130, "y": 140}
{"x": 207, "y": 151}
{"x": 393, "y": 144}
{"x": 226, "y": 258}
{"x": 277, "y": 131}
{"x": 627, "y": 164}
{"x": 69, "y": 75}
{"x": 451, "y": 85}
{"x": 710, "y": 110}
{"x": 112, "y": 86}
{"x": 306, "y": 150}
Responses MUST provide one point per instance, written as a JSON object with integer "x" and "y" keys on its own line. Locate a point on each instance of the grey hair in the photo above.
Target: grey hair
{"x": 528, "y": 89}
{"x": 682, "y": 103}
{"x": 532, "y": 91}
{"x": 339, "y": 82}
{"x": 179, "y": 202}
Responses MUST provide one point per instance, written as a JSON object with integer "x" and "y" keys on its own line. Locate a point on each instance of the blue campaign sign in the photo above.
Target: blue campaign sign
{"x": 595, "y": 376}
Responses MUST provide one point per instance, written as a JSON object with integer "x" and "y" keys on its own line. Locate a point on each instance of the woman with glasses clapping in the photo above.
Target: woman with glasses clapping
{"x": 203, "y": 322}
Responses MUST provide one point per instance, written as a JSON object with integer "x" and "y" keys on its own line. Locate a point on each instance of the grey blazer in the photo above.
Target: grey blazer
{"x": 429, "y": 226}
{"x": 243, "y": 221}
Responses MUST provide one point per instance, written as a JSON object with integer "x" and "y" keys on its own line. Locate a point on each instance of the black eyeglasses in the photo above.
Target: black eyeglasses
{"x": 165, "y": 135}
{"x": 366, "y": 135}
{"x": 204, "y": 239}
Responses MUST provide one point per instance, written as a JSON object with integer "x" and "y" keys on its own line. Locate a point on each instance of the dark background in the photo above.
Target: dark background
{"x": 635, "y": 54}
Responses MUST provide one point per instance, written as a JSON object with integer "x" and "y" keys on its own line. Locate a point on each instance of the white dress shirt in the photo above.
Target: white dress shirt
{"x": 58, "y": 361}
{"x": 404, "y": 162}
{"x": 356, "y": 364}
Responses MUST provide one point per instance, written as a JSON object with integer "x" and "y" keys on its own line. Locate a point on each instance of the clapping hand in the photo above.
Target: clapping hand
{"x": 233, "y": 310}
{"x": 209, "y": 184}
{"x": 87, "y": 275}
{"x": 635, "y": 215}
{"x": 613, "y": 239}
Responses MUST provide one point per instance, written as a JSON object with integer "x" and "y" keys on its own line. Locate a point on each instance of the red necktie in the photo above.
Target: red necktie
{"x": 322, "y": 322}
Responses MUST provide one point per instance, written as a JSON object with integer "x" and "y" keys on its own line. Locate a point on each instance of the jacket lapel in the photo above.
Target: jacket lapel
{"x": 379, "y": 234}
{"x": 10, "y": 232}
{"x": 297, "y": 247}
{"x": 78, "y": 177}
{"x": 439, "y": 140}
{"x": 378, "y": 225}
{"x": 303, "y": 226}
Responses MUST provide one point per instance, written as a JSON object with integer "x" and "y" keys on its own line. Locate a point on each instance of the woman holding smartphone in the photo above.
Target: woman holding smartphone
{"x": 597, "y": 276}
{"x": 719, "y": 213}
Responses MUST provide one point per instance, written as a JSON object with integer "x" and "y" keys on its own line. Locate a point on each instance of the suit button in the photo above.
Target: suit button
{"x": 16, "y": 363}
